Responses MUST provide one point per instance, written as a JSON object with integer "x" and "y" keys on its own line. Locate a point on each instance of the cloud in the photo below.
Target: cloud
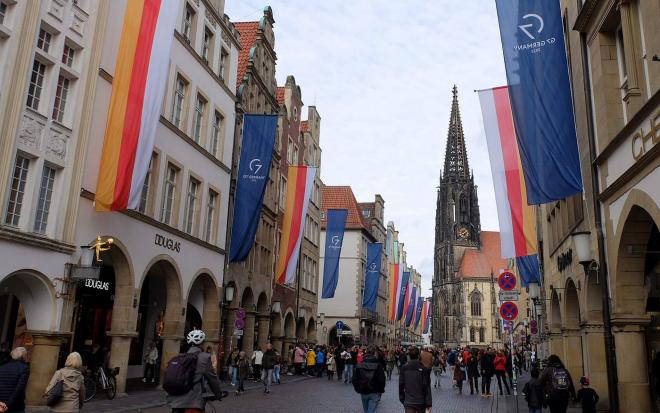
{"x": 381, "y": 74}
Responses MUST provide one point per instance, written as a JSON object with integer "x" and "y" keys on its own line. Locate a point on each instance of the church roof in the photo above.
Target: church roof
{"x": 456, "y": 161}
{"x": 248, "y": 31}
{"x": 342, "y": 197}
{"x": 486, "y": 261}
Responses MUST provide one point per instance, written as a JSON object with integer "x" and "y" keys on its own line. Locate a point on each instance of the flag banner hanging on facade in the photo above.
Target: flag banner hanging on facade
{"x": 394, "y": 286}
{"x": 138, "y": 88}
{"x": 529, "y": 269}
{"x": 427, "y": 318}
{"x": 334, "y": 238}
{"x": 418, "y": 311}
{"x": 300, "y": 182}
{"x": 402, "y": 293}
{"x": 537, "y": 73}
{"x": 256, "y": 155}
{"x": 372, "y": 276}
{"x": 423, "y": 316}
{"x": 515, "y": 215}
{"x": 395, "y": 253}
{"x": 410, "y": 314}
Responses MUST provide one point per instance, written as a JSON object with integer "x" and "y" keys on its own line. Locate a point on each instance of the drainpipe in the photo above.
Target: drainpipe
{"x": 610, "y": 350}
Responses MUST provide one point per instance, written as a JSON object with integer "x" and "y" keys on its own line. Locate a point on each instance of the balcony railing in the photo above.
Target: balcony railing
{"x": 369, "y": 315}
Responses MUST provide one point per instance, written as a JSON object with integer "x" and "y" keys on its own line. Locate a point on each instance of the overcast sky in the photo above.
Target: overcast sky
{"x": 380, "y": 74}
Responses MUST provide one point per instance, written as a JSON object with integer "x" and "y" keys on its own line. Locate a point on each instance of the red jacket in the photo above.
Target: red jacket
{"x": 500, "y": 363}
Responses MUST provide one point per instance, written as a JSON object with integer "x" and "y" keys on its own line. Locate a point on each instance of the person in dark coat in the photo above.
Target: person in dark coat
{"x": 533, "y": 392}
{"x": 473, "y": 373}
{"x": 369, "y": 380}
{"x": 415, "y": 385}
{"x": 487, "y": 371}
{"x": 4, "y": 353}
{"x": 14, "y": 376}
{"x": 557, "y": 399}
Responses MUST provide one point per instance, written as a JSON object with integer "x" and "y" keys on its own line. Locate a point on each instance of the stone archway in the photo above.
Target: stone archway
{"x": 203, "y": 296}
{"x": 571, "y": 330}
{"x": 28, "y": 298}
{"x": 263, "y": 320}
{"x": 636, "y": 279}
{"x": 277, "y": 334}
{"x": 311, "y": 331}
{"x": 301, "y": 331}
{"x": 556, "y": 341}
{"x": 161, "y": 312}
{"x": 246, "y": 342}
{"x": 289, "y": 330}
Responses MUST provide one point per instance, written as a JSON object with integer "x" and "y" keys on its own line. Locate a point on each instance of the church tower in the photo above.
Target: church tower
{"x": 457, "y": 228}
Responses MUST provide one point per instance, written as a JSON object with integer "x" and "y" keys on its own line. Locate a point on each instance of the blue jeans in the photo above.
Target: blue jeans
{"x": 370, "y": 402}
{"x": 276, "y": 373}
{"x": 535, "y": 410}
{"x": 233, "y": 371}
{"x": 348, "y": 372}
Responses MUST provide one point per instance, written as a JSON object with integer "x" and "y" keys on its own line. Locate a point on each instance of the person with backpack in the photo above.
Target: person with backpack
{"x": 269, "y": 360}
{"x": 587, "y": 396}
{"x": 557, "y": 385}
{"x": 369, "y": 380}
{"x": 533, "y": 393}
{"x": 415, "y": 385}
{"x": 187, "y": 376}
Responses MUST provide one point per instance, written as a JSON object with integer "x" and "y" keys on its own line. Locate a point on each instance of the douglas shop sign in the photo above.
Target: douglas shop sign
{"x": 96, "y": 284}
{"x": 168, "y": 243}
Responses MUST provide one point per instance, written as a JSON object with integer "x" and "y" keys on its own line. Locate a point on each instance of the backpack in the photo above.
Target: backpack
{"x": 436, "y": 361}
{"x": 179, "y": 375}
{"x": 364, "y": 379}
{"x": 559, "y": 382}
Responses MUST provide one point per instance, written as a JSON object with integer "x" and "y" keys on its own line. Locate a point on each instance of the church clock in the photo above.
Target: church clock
{"x": 463, "y": 232}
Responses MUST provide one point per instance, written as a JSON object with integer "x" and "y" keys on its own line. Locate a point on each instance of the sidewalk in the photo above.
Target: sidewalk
{"x": 141, "y": 400}
{"x": 507, "y": 404}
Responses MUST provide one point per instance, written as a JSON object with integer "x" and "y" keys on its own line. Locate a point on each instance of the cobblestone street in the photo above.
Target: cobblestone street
{"x": 298, "y": 395}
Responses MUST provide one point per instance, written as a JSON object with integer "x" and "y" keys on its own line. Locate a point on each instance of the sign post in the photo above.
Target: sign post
{"x": 509, "y": 311}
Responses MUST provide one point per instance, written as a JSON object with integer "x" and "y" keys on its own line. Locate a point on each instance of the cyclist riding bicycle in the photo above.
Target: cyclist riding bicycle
{"x": 194, "y": 399}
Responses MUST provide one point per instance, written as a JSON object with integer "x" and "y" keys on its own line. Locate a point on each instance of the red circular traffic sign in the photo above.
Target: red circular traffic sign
{"x": 507, "y": 281}
{"x": 509, "y": 310}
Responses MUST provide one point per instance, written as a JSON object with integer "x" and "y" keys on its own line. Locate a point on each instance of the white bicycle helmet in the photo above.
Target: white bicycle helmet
{"x": 196, "y": 337}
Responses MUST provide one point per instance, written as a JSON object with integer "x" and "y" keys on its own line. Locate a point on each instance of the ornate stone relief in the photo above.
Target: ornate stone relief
{"x": 56, "y": 146}
{"x": 78, "y": 24}
{"x": 56, "y": 9}
{"x": 29, "y": 135}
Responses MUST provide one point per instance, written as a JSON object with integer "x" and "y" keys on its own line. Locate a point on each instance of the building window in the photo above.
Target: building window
{"x": 296, "y": 155}
{"x": 282, "y": 198}
{"x": 43, "y": 42}
{"x": 191, "y": 206}
{"x": 475, "y": 304}
{"x": 289, "y": 151}
{"x": 211, "y": 207}
{"x": 482, "y": 335}
{"x": 169, "y": 194}
{"x": 187, "y": 24}
{"x": 68, "y": 55}
{"x": 198, "y": 121}
{"x": 621, "y": 52}
{"x": 45, "y": 195}
{"x": 60, "y": 98}
{"x": 216, "y": 133}
{"x": 207, "y": 44}
{"x": 36, "y": 85}
{"x": 17, "y": 191}
{"x": 473, "y": 337}
{"x": 3, "y": 12}
{"x": 366, "y": 213}
{"x": 224, "y": 56}
{"x": 144, "y": 194}
{"x": 177, "y": 102}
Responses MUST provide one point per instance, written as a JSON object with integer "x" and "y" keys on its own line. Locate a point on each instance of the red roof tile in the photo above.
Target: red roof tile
{"x": 248, "y": 32}
{"x": 342, "y": 197}
{"x": 304, "y": 126}
{"x": 486, "y": 261}
{"x": 280, "y": 95}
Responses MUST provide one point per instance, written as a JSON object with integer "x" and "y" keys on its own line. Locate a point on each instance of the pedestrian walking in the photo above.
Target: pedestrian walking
{"x": 557, "y": 384}
{"x": 414, "y": 385}
{"x": 369, "y": 380}
{"x": 390, "y": 361}
{"x": 150, "y": 359}
{"x": 277, "y": 378}
{"x": 332, "y": 366}
{"x": 459, "y": 373}
{"x": 232, "y": 358}
{"x": 257, "y": 363}
{"x": 487, "y": 371}
{"x": 499, "y": 363}
{"x": 473, "y": 373}
{"x": 533, "y": 392}
{"x": 311, "y": 362}
{"x": 269, "y": 360}
{"x": 73, "y": 387}
{"x": 14, "y": 376}
{"x": 587, "y": 396}
{"x": 320, "y": 362}
{"x": 347, "y": 357}
{"x": 339, "y": 362}
{"x": 437, "y": 370}
{"x": 242, "y": 372}
{"x": 298, "y": 359}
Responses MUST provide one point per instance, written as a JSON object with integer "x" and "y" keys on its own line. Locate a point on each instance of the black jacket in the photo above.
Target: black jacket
{"x": 533, "y": 392}
{"x": 487, "y": 365}
{"x": 415, "y": 385}
{"x": 13, "y": 380}
{"x": 369, "y": 376}
{"x": 473, "y": 367}
{"x": 269, "y": 360}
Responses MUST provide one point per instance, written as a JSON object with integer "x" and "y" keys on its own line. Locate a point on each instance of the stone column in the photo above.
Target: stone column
{"x": 631, "y": 364}
{"x": 230, "y": 341}
{"x": 248, "y": 333}
{"x": 171, "y": 347}
{"x": 595, "y": 362}
{"x": 43, "y": 363}
{"x": 557, "y": 344}
{"x": 573, "y": 352}
{"x": 264, "y": 328}
{"x": 120, "y": 348}
{"x": 278, "y": 344}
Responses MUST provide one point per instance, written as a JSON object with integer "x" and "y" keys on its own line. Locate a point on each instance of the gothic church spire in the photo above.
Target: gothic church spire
{"x": 456, "y": 161}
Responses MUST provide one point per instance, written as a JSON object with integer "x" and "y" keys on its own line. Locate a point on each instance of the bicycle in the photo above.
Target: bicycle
{"x": 209, "y": 399}
{"x": 107, "y": 381}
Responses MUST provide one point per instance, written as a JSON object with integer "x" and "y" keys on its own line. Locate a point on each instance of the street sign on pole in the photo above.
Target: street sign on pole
{"x": 509, "y": 310}
{"x": 509, "y": 296}
{"x": 238, "y": 333}
{"x": 507, "y": 281}
{"x": 339, "y": 325}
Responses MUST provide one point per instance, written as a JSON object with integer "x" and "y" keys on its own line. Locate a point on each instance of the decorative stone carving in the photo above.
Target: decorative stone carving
{"x": 226, "y": 39}
{"x": 56, "y": 147}
{"x": 29, "y": 135}
{"x": 211, "y": 18}
{"x": 56, "y": 9}
{"x": 78, "y": 24}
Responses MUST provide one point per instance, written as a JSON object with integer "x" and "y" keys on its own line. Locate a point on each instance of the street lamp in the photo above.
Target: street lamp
{"x": 229, "y": 293}
{"x": 582, "y": 242}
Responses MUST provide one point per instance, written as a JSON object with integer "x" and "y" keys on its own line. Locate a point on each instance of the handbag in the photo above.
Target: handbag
{"x": 54, "y": 395}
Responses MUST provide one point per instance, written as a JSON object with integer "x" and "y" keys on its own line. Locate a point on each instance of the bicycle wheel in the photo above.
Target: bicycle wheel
{"x": 111, "y": 392}
{"x": 90, "y": 389}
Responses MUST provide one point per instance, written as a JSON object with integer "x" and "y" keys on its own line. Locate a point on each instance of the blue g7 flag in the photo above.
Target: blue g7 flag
{"x": 418, "y": 311}
{"x": 256, "y": 154}
{"x": 402, "y": 297}
{"x": 334, "y": 238}
{"x": 529, "y": 269}
{"x": 411, "y": 306}
{"x": 540, "y": 93}
{"x": 372, "y": 276}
